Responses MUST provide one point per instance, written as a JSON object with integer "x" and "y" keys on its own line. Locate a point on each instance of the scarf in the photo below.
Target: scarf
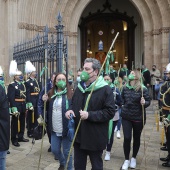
{"x": 59, "y": 94}
{"x": 99, "y": 84}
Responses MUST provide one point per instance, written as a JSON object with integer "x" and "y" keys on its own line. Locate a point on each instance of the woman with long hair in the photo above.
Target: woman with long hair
{"x": 134, "y": 97}
{"x": 57, "y": 105}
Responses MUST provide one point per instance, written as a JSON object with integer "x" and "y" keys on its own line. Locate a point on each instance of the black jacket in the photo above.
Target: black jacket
{"x": 64, "y": 119}
{"x": 147, "y": 78}
{"x": 32, "y": 86}
{"x": 93, "y": 132}
{"x": 17, "y": 91}
{"x": 4, "y": 121}
{"x": 132, "y": 109}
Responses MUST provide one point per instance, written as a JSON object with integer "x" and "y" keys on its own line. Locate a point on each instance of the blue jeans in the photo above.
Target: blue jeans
{"x": 56, "y": 142}
{"x": 3, "y": 160}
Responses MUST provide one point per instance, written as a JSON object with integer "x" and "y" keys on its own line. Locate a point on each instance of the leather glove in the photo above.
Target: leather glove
{"x": 29, "y": 106}
{"x": 40, "y": 120}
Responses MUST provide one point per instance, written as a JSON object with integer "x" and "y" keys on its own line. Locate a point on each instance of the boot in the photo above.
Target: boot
{"x": 61, "y": 167}
{"x": 107, "y": 156}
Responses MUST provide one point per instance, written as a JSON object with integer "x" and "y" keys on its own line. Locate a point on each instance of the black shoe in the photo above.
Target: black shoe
{"x": 165, "y": 159}
{"x": 23, "y": 140}
{"x": 55, "y": 158}
{"x": 8, "y": 152}
{"x": 49, "y": 149}
{"x": 61, "y": 167}
{"x": 30, "y": 135}
{"x": 16, "y": 144}
{"x": 164, "y": 148}
{"x": 166, "y": 164}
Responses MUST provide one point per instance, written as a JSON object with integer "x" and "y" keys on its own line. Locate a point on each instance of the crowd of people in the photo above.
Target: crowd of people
{"x": 117, "y": 98}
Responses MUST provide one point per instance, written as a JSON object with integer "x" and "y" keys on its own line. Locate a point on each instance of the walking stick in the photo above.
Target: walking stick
{"x": 87, "y": 101}
{"x": 45, "y": 92}
{"x": 143, "y": 116}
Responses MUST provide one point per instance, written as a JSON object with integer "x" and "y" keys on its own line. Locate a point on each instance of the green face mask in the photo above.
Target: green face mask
{"x": 61, "y": 84}
{"x": 84, "y": 76}
{"x": 131, "y": 77}
{"x": 116, "y": 82}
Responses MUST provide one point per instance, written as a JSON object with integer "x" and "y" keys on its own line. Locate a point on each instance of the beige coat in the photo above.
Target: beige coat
{"x": 156, "y": 74}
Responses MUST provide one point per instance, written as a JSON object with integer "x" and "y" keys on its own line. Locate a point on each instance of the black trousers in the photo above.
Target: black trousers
{"x": 110, "y": 143}
{"x": 30, "y": 124}
{"x": 80, "y": 158}
{"x": 15, "y": 135}
{"x": 128, "y": 126}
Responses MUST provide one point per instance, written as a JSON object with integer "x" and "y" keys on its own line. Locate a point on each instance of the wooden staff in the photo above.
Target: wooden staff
{"x": 88, "y": 99}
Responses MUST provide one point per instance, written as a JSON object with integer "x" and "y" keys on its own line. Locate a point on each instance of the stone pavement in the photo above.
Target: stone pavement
{"x": 23, "y": 158}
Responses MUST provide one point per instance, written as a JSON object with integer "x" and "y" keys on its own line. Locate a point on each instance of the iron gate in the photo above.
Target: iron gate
{"x": 34, "y": 51}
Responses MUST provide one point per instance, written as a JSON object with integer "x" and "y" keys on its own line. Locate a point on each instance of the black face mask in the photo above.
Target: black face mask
{"x": 153, "y": 69}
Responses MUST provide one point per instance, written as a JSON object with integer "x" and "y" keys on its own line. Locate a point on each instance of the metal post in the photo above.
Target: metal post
{"x": 59, "y": 29}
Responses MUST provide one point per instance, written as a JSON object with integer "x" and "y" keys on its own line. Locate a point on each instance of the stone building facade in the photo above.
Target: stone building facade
{"x": 22, "y": 19}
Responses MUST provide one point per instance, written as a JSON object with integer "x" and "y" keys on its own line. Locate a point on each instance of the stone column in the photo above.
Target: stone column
{"x": 148, "y": 46}
{"x": 72, "y": 52}
{"x": 165, "y": 46}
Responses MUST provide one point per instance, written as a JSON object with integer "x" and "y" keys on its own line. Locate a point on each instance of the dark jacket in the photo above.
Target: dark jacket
{"x": 64, "y": 119}
{"x": 93, "y": 132}
{"x": 132, "y": 109}
{"x": 4, "y": 121}
{"x": 16, "y": 91}
{"x": 40, "y": 104}
{"x": 32, "y": 86}
{"x": 147, "y": 77}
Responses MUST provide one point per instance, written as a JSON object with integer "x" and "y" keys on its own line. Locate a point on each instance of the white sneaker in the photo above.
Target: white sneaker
{"x": 107, "y": 156}
{"x": 118, "y": 134}
{"x": 125, "y": 165}
{"x": 115, "y": 129}
{"x": 133, "y": 163}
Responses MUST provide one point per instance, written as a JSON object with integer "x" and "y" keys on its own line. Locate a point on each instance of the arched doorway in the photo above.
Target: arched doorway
{"x": 101, "y": 26}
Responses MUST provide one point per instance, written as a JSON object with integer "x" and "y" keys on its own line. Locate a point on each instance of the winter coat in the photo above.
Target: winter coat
{"x": 131, "y": 106}
{"x": 4, "y": 121}
{"x": 93, "y": 132}
{"x": 64, "y": 119}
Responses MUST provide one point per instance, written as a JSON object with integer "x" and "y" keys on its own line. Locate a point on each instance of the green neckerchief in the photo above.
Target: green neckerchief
{"x": 99, "y": 84}
{"x": 144, "y": 70}
{"x": 59, "y": 94}
{"x": 112, "y": 85}
{"x": 124, "y": 69}
{"x": 112, "y": 71}
{"x": 2, "y": 83}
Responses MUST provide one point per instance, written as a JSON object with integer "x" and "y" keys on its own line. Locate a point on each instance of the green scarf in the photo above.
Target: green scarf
{"x": 133, "y": 87}
{"x": 99, "y": 84}
{"x": 144, "y": 70}
{"x": 112, "y": 85}
{"x": 2, "y": 83}
{"x": 59, "y": 94}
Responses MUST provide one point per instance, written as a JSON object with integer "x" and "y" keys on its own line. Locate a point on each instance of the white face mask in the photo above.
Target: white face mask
{"x": 78, "y": 79}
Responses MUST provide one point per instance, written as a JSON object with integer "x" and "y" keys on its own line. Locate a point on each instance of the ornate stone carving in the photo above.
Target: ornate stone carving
{"x": 165, "y": 29}
{"x": 156, "y": 32}
{"x": 33, "y": 27}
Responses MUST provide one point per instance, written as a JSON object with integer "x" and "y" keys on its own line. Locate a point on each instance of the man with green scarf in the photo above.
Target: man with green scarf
{"x": 92, "y": 134}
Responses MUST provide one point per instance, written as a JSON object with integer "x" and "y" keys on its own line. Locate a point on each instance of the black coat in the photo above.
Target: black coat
{"x": 93, "y": 132}
{"x": 32, "y": 86}
{"x": 64, "y": 119}
{"x": 132, "y": 109}
{"x": 4, "y": 121}
{"x": 147, "y": 78}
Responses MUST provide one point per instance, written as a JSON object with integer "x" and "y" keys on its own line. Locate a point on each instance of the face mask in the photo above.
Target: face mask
{"x": 78, "y": 79}
{"x": 21, "y": 78}
{"x": 153, "y": 69}
{"x": 84, "y": 76}
{"x": 131, "y": 77}
{"x": 125, "y": 79}
{"x": 108, "y": 82}
{"x": 61, "y": 84}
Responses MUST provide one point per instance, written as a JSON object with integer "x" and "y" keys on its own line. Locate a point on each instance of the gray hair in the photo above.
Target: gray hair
{"x": 95, "y": 63}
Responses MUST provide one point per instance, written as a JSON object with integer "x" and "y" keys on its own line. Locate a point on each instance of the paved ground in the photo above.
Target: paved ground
{"x": 23, "y": 158}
